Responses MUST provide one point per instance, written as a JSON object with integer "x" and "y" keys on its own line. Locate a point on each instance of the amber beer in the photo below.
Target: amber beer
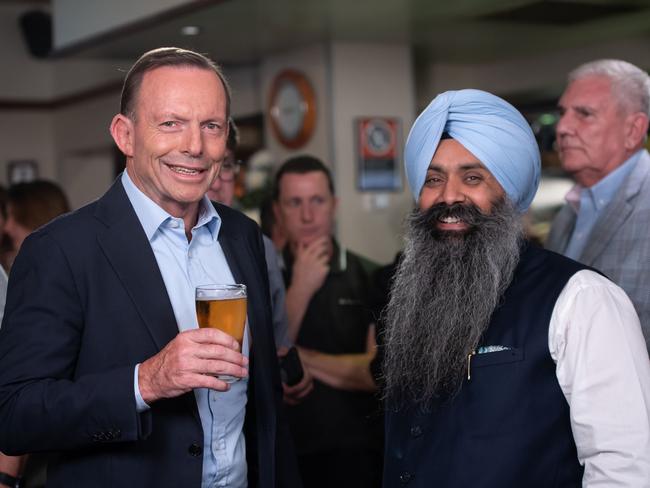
{"x": 222, "y": 307}
{"x": 228, "y": 315}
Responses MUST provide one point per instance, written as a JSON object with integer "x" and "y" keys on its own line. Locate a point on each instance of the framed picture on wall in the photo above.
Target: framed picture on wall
{"x": 22, "y": 171}
{"x": 378, "y": 162}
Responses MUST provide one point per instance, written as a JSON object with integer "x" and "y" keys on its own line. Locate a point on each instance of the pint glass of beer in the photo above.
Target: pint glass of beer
{"x": 222, "y": 307}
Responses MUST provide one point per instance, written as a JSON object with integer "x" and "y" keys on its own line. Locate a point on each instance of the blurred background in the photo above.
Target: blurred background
{"x": 342, "y": 80}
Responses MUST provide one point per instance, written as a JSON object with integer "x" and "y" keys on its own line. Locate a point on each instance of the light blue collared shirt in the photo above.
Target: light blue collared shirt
{"x": 185, "y": 265}
{"x": 591, "y": 204}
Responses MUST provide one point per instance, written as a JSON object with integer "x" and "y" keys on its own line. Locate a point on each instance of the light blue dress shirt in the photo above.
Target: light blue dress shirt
{"x": 185, "y": 265}
{"x": 593, "y": 202}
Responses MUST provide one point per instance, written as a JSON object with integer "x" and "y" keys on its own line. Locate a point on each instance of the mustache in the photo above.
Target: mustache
{"x": 468, "y": 213}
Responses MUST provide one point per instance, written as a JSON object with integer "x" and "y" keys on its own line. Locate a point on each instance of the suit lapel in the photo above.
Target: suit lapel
{"x": 126, "y": 246}
{"x": 605, "y": 229}
{"x": 229, "y": 245}
{"x": 617, "y": 212}
{"x": 238, "y": 262}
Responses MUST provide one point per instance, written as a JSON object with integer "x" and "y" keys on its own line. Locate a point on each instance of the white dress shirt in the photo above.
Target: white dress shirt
{"x": 603, "y": 369}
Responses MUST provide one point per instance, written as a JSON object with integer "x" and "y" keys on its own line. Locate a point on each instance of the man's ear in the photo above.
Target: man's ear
{"x": 636, "y": 130}
{"x": 276, "y": 211}
{"x": 122, "y": 132}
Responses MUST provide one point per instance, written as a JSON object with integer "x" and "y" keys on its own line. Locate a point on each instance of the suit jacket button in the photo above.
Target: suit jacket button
{"x": 405, "y": 477}
{"x": 195, "y": 450}
{"x": 416, "y": 431}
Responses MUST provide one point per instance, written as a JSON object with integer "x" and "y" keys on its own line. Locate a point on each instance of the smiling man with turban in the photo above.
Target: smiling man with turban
{"x": 505, "y": 365}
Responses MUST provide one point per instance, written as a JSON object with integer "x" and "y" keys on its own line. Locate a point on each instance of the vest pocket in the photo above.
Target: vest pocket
{"x": 491, "y": 400}
{"x": 510, "y": 355}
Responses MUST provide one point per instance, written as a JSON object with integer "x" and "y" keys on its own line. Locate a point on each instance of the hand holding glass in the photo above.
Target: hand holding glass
{"x": 222, "y": 307}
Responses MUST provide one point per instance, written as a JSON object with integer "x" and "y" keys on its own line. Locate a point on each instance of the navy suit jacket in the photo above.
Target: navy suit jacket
{"x": 87, "y": 302}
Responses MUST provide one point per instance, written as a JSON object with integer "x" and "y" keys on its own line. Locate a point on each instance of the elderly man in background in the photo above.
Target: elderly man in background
{"x": 505, "y": 365}
{"x": 600, "y": 137}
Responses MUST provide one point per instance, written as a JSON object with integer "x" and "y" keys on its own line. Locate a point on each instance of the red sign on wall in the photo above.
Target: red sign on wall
{"x": 378, "y": 151}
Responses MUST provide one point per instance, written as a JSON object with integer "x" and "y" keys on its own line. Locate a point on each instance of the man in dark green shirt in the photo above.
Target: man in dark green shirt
{"x": 337, "y": 429}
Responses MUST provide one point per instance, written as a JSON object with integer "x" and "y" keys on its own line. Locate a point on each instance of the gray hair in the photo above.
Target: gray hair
{"x": 630, "y": 84}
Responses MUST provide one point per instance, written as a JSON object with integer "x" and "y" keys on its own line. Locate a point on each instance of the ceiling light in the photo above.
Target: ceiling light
{"x": 191, "y": 30}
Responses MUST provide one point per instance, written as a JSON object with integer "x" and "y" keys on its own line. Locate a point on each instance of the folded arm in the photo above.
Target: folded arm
{"x": 343, "y": 371}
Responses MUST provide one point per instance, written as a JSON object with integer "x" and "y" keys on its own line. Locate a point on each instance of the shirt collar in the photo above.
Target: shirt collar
{"x": 339, "y": 261}
{"x": 152, "y": 216}
{"x": 602, "y": 192}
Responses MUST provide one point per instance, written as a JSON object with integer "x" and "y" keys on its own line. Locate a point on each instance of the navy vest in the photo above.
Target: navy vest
{"x": 508, "y": 426}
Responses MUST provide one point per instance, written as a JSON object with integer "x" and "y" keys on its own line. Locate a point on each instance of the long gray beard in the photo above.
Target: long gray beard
{"x": 444, "y": 293}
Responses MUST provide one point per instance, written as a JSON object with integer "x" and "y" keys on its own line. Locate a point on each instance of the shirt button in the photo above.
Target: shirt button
{"x": 195, "y": 450}
{"x": 416, "y": 431}
{"x": 405, "y": 477}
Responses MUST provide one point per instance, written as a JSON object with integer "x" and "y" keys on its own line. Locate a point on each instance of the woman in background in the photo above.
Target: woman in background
{"x": 29, "y": 206}
{"x": 24, "y": 208}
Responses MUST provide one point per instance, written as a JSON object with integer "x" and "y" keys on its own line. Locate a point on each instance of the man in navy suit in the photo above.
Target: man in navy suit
{"x": 102, "y": 362}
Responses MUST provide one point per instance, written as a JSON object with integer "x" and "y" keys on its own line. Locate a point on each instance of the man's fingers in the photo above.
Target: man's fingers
{"x": 215, "y": 351}
{"x": 191, "y": 360}
{"x": 316, "y": 247}
{"x": 293, "y": 395}
{"x": 214, "y": 367}
{"x": 304, "y": 390}
{"x": 209, "y": 336}
{"x": 208, "y": 381}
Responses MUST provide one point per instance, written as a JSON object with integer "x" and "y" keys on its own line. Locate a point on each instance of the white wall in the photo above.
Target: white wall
{"x": 86, "y": 176}
{"x": 27, "y": 135}
{"x": 245, "y": 85}
{"x": 84, "y": 148}
{"x": 52, "y": 136}
{"x": 70, "y": 77}
{"x": 23, "y": 77}
{"x": 57, "y": 138}
{"x": 84, "y": 126}
{"x": 369, "y": 80}
{"x": 26, "y": 78}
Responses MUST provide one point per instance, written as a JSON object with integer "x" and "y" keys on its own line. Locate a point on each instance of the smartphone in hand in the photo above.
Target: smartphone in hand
{"x": 291, "y": 368}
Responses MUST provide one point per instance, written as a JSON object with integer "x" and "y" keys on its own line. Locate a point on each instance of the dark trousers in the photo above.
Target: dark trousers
{"x": 343, "y": 468}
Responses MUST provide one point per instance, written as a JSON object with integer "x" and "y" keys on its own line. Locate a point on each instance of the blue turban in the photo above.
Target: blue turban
{"x": 490, "y": 128}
